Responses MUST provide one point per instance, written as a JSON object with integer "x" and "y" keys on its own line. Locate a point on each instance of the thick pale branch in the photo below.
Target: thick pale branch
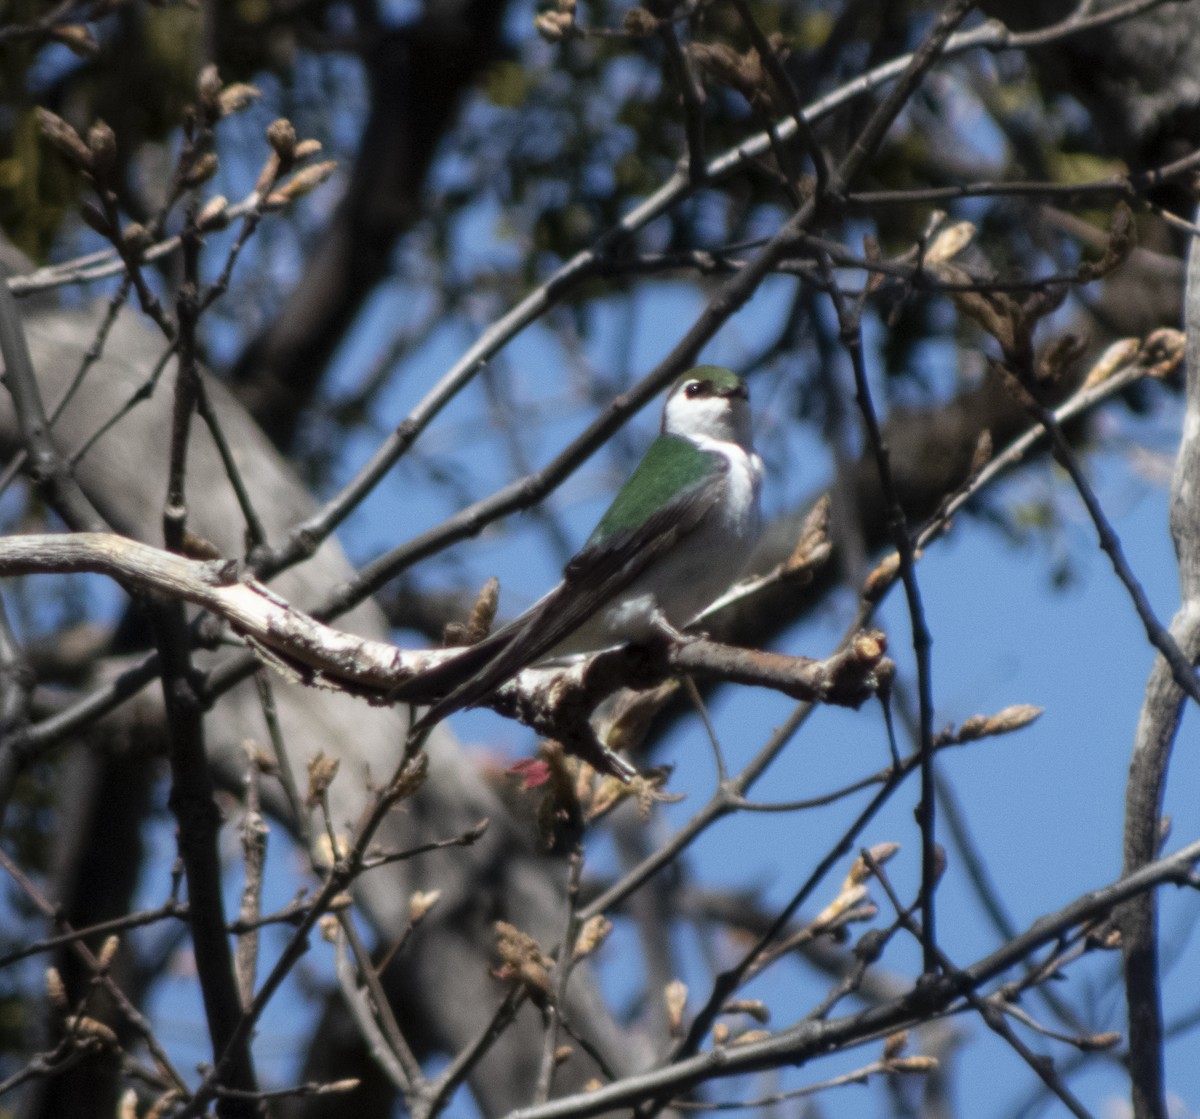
{"x": 298, "y": 644}
{"x": 1157, "y": 726}
{"x": 250, "y": 608}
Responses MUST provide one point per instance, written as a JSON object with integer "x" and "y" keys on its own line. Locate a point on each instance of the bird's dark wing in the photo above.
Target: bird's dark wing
{"x": 444, "y": 677}
{"x": 594, "y": 576}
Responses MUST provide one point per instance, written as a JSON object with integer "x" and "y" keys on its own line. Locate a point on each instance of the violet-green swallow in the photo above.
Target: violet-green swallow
{"x": 675, "y": 537}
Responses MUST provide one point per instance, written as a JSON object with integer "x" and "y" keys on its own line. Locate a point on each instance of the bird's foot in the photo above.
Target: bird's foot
{"x": 663, "y": 628}
{"x": 614, "y": 765}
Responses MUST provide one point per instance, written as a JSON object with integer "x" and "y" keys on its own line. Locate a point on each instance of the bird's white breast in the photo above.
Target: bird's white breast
{"x": 696, "y": 572}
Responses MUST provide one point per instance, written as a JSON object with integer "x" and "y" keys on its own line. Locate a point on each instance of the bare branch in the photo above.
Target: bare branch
{"x": 1157, "y": 727}
{"x": 809, "y": 1039}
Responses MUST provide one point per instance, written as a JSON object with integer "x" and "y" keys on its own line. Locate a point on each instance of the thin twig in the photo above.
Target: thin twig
{"x": 403, "y": 783}
{"x": 850, "y": 323}
{"x": 361, "y": 1007}
{"x": 691, "y": 93}
{"x": 441, "y": 1091}
{"x": 559, "y": 978}
{"x": 47, "y": 467}
{"x": 992, "y": 1015}
{"x": 808, "y": 1040}
{"x": 128, "y": 1011}
{"x": 381, "y": 1007}
{"x": 254, "y": 832}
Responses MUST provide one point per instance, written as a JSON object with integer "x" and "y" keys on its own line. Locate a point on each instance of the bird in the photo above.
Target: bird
{"x": 675, "y": 537}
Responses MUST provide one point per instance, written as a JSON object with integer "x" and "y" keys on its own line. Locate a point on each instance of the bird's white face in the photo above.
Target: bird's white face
{"x": 700, "y": 408}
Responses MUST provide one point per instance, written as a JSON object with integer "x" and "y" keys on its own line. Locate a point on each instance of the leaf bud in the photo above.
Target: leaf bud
{"x": 321, "y": 772}
{"x": 675, "y": 995}
{"x": 136, "y": 238}
{"x": 204, "y": 168}
{"x": 215, "y": 213}
{"x": 208, "y": 86}
{"x": 102, "y": 143}
{"x": 421, "y": 902}
{"x": 93, "y": 216}
{"x": 63, "y": 137}
{"x": 639, "y": 22}
{"x": 108, "y": 951}
{"x": 76, "y": 38}
{"x": 281, "y": 135}
{"x": 303, "y": 182}
{"x": 56, "y": 990}
{"x": 236, "y": 97}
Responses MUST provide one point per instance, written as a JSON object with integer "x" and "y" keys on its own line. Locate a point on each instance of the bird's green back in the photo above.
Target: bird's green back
{"x": 670, "y": 467}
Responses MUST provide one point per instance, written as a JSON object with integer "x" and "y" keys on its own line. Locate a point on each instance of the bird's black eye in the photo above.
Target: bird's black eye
{"x": 693, "y": 389}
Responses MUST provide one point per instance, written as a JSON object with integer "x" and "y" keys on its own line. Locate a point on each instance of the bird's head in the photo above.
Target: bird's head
{"x": 709, "y": 401}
